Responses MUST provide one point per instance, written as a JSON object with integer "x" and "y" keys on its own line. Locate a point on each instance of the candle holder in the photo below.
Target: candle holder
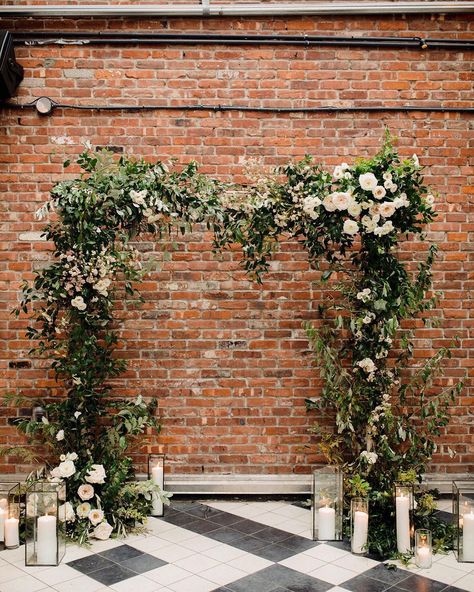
{"x": 359, "y": 525}
{"x": 327, "y": 502}
{"x": 156, "y": 472}
{"x": 423, "y": 548}
{"x": 8, "y": 491}
{"x": 44, "y": 523}
{"x": 463, "y": 511}
{"x": 404, "y": 508}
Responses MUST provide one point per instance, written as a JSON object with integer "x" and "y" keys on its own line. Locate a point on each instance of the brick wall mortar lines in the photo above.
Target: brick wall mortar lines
{"x": 229, "y": 360}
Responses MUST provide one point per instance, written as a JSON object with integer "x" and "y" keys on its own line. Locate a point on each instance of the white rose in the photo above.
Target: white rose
{"x": 429, "y": 199}
{"x": 310, "y": 203}
{"x": 96, "y": 474}
{"x": 96, "y": 516}
{"x": 329, "y": 204}
{"x": 368, "y": 181}
{"x": 341, "y": 200}
{"x": 393, "y": 187}
{"x": 369, "y": 223}
{"x": 78, "y": 302}
{"x": 102, "y": 286}
{"x": 138, "y": 197}
{"x": 83, "y": 510}
{"x": 350, "y": 227}
{"x": 369, "y": 457}
{"x": 85, "y": 492}
{"x": 71, "y": 456}
{"x": 338, "y": 173}
{"x": 366, "y": 320}
{"x": 55, "y": 473}
{"x": 354, "y": 209}
{"x": 387, "y": 209}
{"x": 77, "y": 414}
{"x": 66, "y": 468}
{"x": 416, "y": 162}
{"x": 379, "y": 192}
{"x": 103, "y": 531}
{"x": 387, "y": 176}
{"x": 60, "y": 435}
{"x": 66, "y": 513}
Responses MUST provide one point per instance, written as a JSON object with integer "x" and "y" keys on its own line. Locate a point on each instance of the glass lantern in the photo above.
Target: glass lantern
{"x": 327, "y": 501}
{"x": 45, "y": 523}
{"x": 404, "y": 506}
{"x": 359, "y": 525}
{"x": 9, "y": 518}
{"x": 156, "y": 472}
{"x": 423, "y": 548}
{"x": 463, "y": 511}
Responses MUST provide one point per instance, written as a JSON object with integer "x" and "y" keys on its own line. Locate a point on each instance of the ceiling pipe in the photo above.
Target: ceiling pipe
{"x": 207, "y": 9}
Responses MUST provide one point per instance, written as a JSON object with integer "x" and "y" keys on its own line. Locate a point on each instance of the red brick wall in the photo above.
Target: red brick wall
{"x": 228, "y": 359}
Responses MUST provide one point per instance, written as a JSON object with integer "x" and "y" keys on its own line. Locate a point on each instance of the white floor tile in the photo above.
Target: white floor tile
{"x": 149, "y": 543}
{"x": 177, "y": 535}
{"x": 442, "y": 573}
{"x": 80, "y": 584}
{"x": 99, "y": 546}
{"x": 56, "y": 575}
{"x": 222, "y": 574}
{"x": 196, "y": 563}
{"x": 465, "y": 583}
{"x": 171, "y": 553}
{"x": 74, "y": 552}
{"x": 326, "y": 553}
{"x": 333, "y": 574}
{"x": 293, "y": 512}
{"x": 157, "y": 527}
{"x": 200, "y": 543}
{"x": 24, "y": 583}
{"x": 193, "y": 584}
{"x": 355, "y": 563}
{"x": 271, "y": 519}
{"x": 138, "y": 583}
{"x": 167, "y": 574}
{"x": 451, "y": 561}
{"x": 10, "y": 572}
{"x": 250, "y": 563}
{"x": 14, "y": 555}
{"x": 303, "y": 563}
{"x": 224, "y": 553}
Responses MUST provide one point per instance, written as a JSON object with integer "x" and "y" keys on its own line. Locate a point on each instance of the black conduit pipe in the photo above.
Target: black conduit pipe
{"x": 77, "y": 38}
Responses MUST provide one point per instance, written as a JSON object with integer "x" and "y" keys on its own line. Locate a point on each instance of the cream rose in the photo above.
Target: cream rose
{"x": 102, "y": 531}
{"x": 387, "y": 209}
{"x": 78, "y": 302}
{"x": 368, "y": 181}
{"x": 66, "y": 513}
{"x": 96, "y": 516}
{"x": 354, "y": 209}
{"x": 66, "y": 469}
{"x": 85, "y": 492}
{"x": 341, "y": 200}
{"x": 83, "y": 510}
{"x": 379, "y": 192}
{"x": 329, "y": 204}
{"x": 96, "y": 474}
{"x": 350, "y": 227}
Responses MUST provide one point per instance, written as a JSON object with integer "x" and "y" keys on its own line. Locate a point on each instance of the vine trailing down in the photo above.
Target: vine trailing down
{"x": 354, "y": 218}
{"x": 385, "y": 418}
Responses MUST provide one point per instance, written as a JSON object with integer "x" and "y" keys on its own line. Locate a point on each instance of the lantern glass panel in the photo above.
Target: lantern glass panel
{"x": 45, "y": 523}
{"x": 404, "y": 506}
{"x": 7, "y": 496}
{"x": 156, "y": 472}
{"x": 463, "y": 511}
{"x": 327, "y": 501}
{"x": 359, "y": 524}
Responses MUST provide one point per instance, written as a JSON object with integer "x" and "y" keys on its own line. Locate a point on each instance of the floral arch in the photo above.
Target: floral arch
{"x": 384, "y": 420}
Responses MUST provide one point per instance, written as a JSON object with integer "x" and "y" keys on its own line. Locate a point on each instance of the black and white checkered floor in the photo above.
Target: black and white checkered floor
{"x": 227, "y": 547}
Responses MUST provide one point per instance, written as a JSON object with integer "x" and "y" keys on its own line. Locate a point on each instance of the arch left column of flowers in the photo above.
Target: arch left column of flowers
{"x": 72, "y": 305}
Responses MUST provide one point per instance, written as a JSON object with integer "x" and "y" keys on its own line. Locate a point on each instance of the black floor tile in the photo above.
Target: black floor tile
{"x": 248, "y": 526}
{"x": 390, "y": 576}
{"x": 416, "y": 583}
{"x": 249, "y": 543}
{"x": 274, "y": 552}
{"x": 272, "y": 535}
{"x": 142, "y": 563}
{"x": 226, "y": 519}
{"x": 119, "y": 554}
{"x": 295, "y": 581}
{"x": 252, "y": 583}
{"x": 86, "y": 565}
{"x": 452, "y": 589}
{"x": 203, "y": 511}
{"x": 362, "y": 583}
{"x": 447, "y": 517}
{"x": 298, "y": 544}
{"x": 178, "y": 518}
{"x": 112, "y": 575}
{"x": 200, "y": 526}
{"x": 225, "y": 534}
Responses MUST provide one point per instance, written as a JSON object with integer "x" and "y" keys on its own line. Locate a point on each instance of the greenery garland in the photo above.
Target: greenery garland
{"x": 384, "y": 421}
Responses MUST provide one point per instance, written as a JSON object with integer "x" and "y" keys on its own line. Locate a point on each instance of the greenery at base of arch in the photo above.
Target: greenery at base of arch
{"x": 374, "y": 417}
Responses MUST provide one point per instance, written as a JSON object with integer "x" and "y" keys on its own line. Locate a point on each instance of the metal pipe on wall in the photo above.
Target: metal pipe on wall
{"x": 208, "y": 9}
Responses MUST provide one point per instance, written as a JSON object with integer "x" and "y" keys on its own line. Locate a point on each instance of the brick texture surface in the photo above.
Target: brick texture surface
{"x": 228, "y": 359}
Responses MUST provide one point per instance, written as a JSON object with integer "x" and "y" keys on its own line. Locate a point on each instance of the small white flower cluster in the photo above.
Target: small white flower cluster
{"x": 368, "y": 366}
{"x": 365, "y": 295}
{"x": 369, "y": 457}
{"x": 368, "y": 318}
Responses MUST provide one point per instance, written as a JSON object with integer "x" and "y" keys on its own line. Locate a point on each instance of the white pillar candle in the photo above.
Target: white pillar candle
{"x": 46, "y": 540}
{"x": 326, "y": 524}
{"x": 360, "y": 530}
{"x": 468, "y": 537}
{"x": 157, "y": 478}
{"x": 3, "y": 515}
{"x": 402, "y": 504}
{"x": 12, "y": 533}
{"x": 423, "y": 557}
{"x": 3, "y": 503}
